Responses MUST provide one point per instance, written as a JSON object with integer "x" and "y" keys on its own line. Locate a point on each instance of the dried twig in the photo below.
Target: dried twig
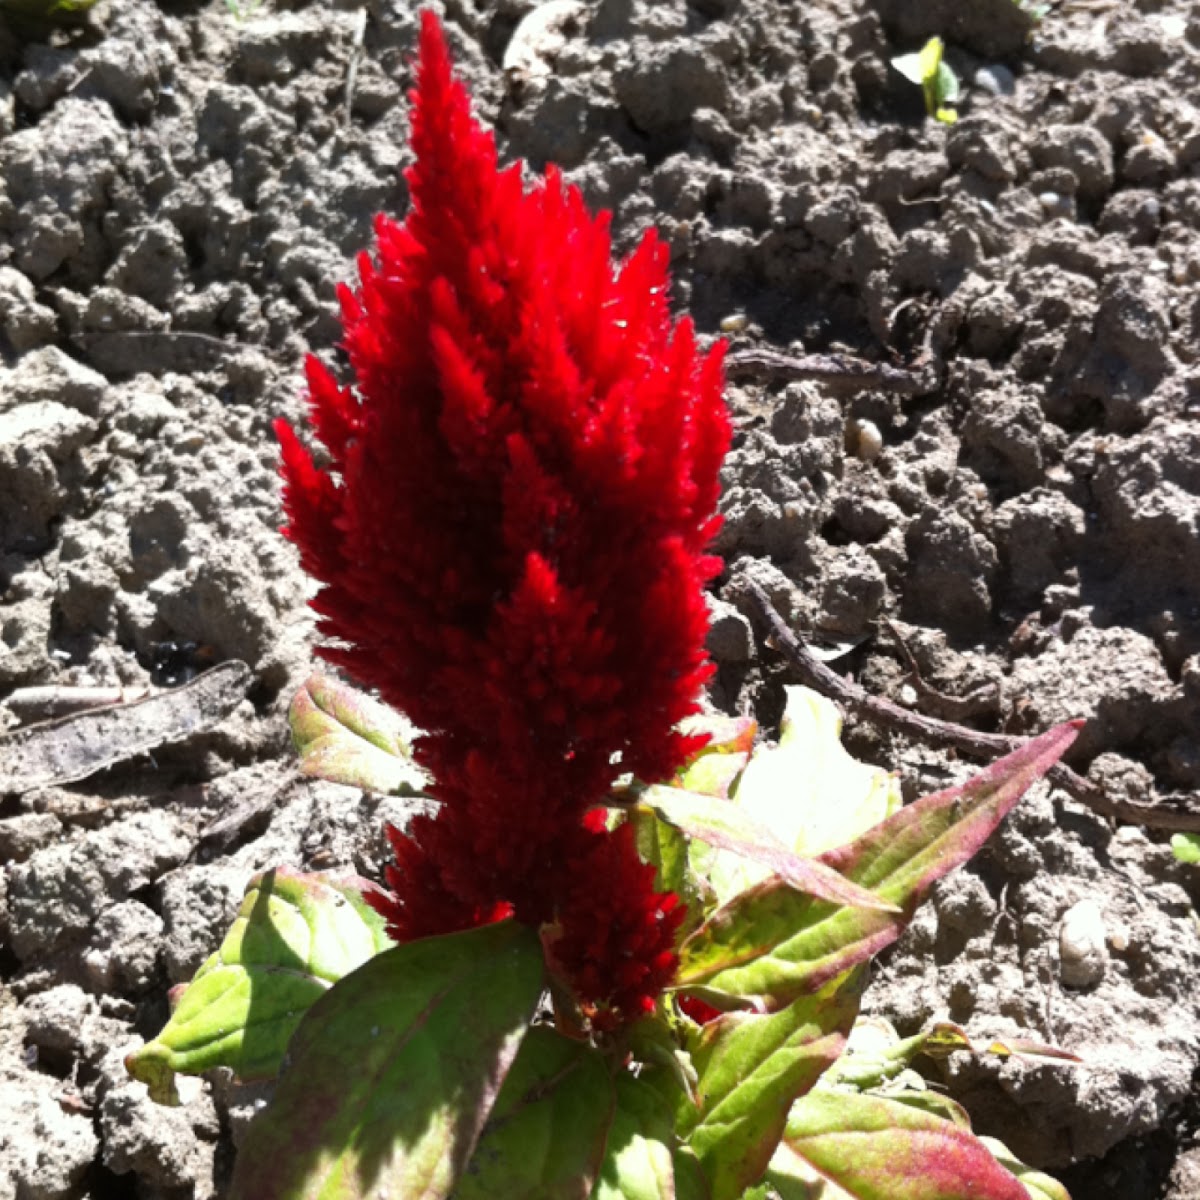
{"x": 845, "y": 372}
{"x": 985, "y": 698}
{"x": 841, "y": 371}
{"x": 854, "y": 699}
{"x": 168, "y": 337}
{"x": 42, "y": 703}
{"x": 249, "y": 815}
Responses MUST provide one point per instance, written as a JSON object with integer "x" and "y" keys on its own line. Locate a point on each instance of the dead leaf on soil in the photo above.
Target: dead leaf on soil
{"x": 72, "y": 748}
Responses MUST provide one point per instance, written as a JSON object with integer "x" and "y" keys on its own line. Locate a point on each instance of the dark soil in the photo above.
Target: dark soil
{"x": 182, "y": 186}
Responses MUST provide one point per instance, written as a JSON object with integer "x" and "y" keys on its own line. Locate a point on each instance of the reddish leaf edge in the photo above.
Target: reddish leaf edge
{"x": 1010, "y": 777}
{"x": 748, "y": 839}
{"x": 1028, "y": 763}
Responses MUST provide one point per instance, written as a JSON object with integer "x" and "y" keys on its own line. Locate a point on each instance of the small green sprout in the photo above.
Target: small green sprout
{"x": 44, "y": 13}
{"x": 243, "y": 10}
{"x": 1186, "y": 847}
{"x": 934, "y": 76}
{"x": 1035, "y": 10}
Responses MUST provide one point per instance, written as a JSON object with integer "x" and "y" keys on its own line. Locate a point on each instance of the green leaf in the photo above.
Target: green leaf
{"x": 946, "y": 84}
{"x": 690, "y": 1183}
{"x": 773, "y": 943}
{"x": 1186, "y": 847}
{"x": 638, "y": 1164}
{"x": 1025, "y": 1048}
{"x": 714, "y": 774}
{"x": 39, "y": 16}
{"x": 655, "y": 1042}
{"x": 711, "y": 772}
{"x": 844, "y": 1146}
{"x": 934, "y": 76}
{"x": 930, "y": 59}
{"x": 345, "y": 736}
{"x": 294, "y": 937}
{"x": 941, "y": 94}
{"x": 933, "y": 1103}
{"x": 1038, "y": 1185}
{"x": 714, "y": 770}
{"x": 394, "y": 1072}
{"x": 910, "y": 66}
{"x": 809, "y": 791}
{"x": 752, "y": 1067}
{"x": 726, "y": 826}
{"x": 875, "y": 1054}
{"x": 546, "y": 1136}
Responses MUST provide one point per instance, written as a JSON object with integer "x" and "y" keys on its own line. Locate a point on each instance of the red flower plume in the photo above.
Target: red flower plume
{"x": 510, "y": 539}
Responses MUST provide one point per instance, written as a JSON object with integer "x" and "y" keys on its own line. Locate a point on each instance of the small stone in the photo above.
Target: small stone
{"x": 852, "y": 593}
{"x": 867, "y": 439}
{"x": 165, "y": 1147}
{"x": 39, "y": 466}
{"x": 1055, "y": 204}
{"x": 995, "y": 79}
{"x": 64, "y": 888}
{"x": 1190, "y": 676}
{"x": 540, "y": 37}
{"x": 1083, "y": 952}
{"x": 730, "y": 638}
{"x": 198, "y": 905}
{"x": 660, "y": 84}
{"x": 276, "y": 47}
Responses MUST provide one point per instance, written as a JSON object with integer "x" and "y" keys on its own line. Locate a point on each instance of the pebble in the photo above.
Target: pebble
{"x": 540, "y": 37}
{"x": 995, "y": 79}
{"x": 1055, "y": 203}
{"x": 1173, "y": 26}
{"x": 868, "y": 440}
{"x": 1083, "y": 954}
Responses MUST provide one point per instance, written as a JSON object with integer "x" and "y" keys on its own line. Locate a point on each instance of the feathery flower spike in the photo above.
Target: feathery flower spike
{"x": 510, "y": 539}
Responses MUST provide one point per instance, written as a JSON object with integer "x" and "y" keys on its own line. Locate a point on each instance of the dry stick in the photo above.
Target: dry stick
{"x": 56, "y": 700}
{"x": 846, "y": 373}
{"x": 841, "y": 371}
{"x": 982, "y": 699}
{"x": 169, "y": 337}
{"x": 851, "y": 696}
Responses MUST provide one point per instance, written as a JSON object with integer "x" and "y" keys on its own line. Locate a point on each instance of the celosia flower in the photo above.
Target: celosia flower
{"x": 510, "y": 537}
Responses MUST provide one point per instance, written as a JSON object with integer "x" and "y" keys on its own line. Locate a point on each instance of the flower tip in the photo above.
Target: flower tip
{"x": 433, "y": 54}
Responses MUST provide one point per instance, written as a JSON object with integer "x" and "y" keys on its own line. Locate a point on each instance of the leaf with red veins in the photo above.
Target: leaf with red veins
{"x": 346, "y": 736}
{"x": 856, "y": 1147}
{"x": 752, "y": 1067}
{"x": 724, "y": 825}
{"x": 772, "y": 943}
{"x": 395, "y": 1072}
